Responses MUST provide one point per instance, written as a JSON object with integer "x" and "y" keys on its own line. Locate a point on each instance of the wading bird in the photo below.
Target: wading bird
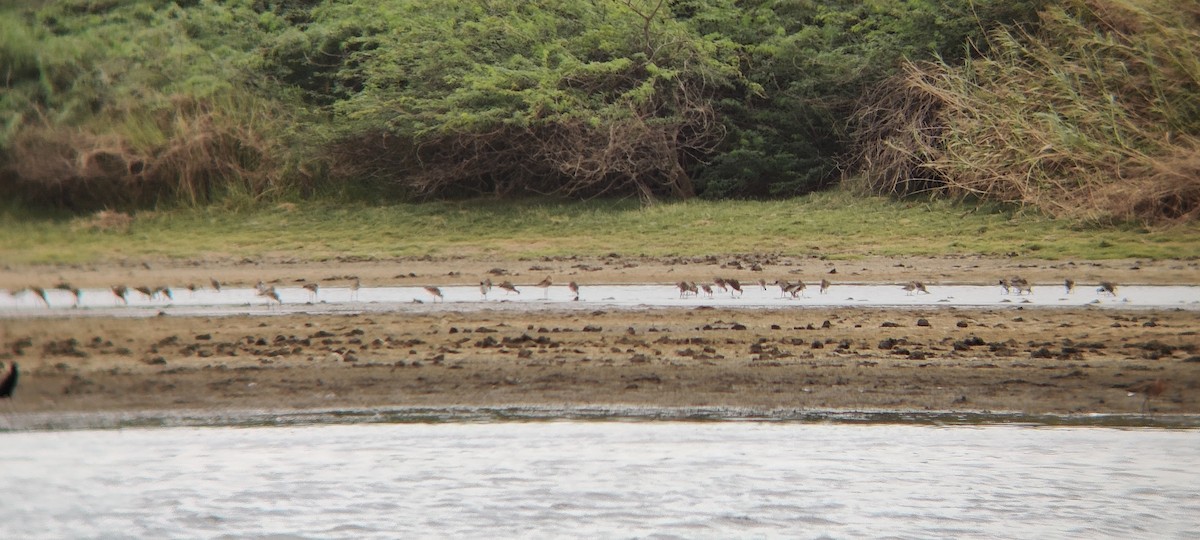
{"x": 485, "y": 287}
{"x": 312, "y": 290}
{"x": 9, "y": 383}
{"x": 574, "y": 288}
{"x": 435, "y": 292}
{"x": 216, "y": 285}
{"x": 1069, "y": 284}
{"x": 270, "y": 294}
{"x": 734, "y": 286}
{"x": 825, "y": 285}
{"x": 122, "y": 292}
{"x": 41, "y": 293}
{"x": 545, "y": 286}
{"x": 354, "y": 289}
{"x": 1107, "y": 287}
{"x": 915, "y": 287}
{"x": 508, "y": 287}
{"x": 1150, "y": 389}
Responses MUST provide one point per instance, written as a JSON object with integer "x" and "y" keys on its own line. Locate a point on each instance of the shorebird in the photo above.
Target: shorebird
{"x": 354, "y": 289}
{"x": 312, "y": 290}
{"x": 270, "y": 294}
{"x": 797, "y": 289}
{"x": 261, "y": 287}
{"x": 216, "y": 285}
{"x": 122, "y": 292}
{"x": 435, "y": 292}
{"x": 509, "y": 287}
{"x": 734, "y": 286}
{"x": 545, "y": 286}
{"x": 574, "y": 288}
{"x": 915, "y": 287}
{"x": 78, "y": 294}
{"x": 10, "y": 382}
{"x": 762, "y": 283}
{"x": 684, "y": 288}
{"x": 1153, "y": 388}
{"x": 1005, "y": 286}
{"x": 708, "y": 290}
{"x": 825, "y": 285}
{"x": 146, "y": 291}
{"x": 485, "y": 287}
{"x": 41, "y": 293}
{"x": 720, "y": 284}
{"x": 783, "y": 285}
{"x": 165, "y": 291}
{"x": 1069, "y": 284}
{"x": 1107, "y": 287}
{"x": 191, "y": 287}
{"x": 1020, "y": 284}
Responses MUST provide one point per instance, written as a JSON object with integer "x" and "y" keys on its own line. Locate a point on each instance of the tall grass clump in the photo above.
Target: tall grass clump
{"x": 1093, "y": 115}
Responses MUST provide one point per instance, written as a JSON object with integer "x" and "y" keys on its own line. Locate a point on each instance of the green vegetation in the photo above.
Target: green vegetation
{"x": 835, "y": 224}
{"x": 1087, "y": 109}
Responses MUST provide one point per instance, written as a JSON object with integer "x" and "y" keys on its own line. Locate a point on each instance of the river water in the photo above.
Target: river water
{"x": 206, "y": 302}
{"x": 601, "y": 479}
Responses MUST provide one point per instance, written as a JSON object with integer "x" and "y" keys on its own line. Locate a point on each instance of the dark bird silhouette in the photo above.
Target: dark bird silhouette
{"x": 9, "y": 383}
{"x": 216, "y": 285}
{"x": 734, "y": 286}
{"x": 41, "y": 293}
{"x": 1069, "y": 284}
{"x": 1150, "y": 389}
{"x": 122, "y": 292}
{"x": 1107, "y": 287}
{"x": 145, "y": 292}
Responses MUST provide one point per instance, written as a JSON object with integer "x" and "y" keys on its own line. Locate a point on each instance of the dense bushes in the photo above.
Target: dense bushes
{"x": 130, "y": 104}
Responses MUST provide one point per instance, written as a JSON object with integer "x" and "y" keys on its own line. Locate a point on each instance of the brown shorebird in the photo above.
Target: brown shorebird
{"x": 312, "y": 290}
{"x": 1005, "y": 286}
{"x": 485, "y": 287}
{"x": 146, "y": 291}
{"x": 545, "y": 286}
{"x": 1152, "y": 388}
{"x": 783, "y": 285}
{"x": 915, "y": 287}
{"x": 165, "y": 291}
{"x": 1020, "y": 285}
{"x": 684, "y": 288}
{"x": 825, "y": 285}
{"x": 1069, "y": 284}
{"x": 122, "y": 292}
{"x": 720, "y": 283}
{"x": 78, "y": 294}
{"x": 797, "y": 289}
{"x": 734, "y": 286}
{"x": 1107, "y": 287}
{"x": 574, "y": 288}
{"x": 354, "y": 289}
{"x": 270, "y": 294}
{"x": 762, "y": 283}
{"x": 191, "y": 287}
{"x": 216, "y": 285}
{"x": 41, "y": 293}
{"x": 435, "y": 292}
{"x": 708, "y": 290}
{"x": 508, "y": 287}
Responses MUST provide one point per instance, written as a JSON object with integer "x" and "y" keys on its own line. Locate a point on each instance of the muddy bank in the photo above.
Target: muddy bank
{"x": 1011, "y": 359}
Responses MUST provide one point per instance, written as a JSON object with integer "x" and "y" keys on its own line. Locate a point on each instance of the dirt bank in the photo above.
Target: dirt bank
{"x": 1036, "y": 361}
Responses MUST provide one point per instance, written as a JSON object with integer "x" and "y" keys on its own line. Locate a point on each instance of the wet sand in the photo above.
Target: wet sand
{"x": 1073, "y": 360}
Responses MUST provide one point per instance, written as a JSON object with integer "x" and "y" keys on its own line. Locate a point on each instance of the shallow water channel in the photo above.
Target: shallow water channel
{"x": 102, "y": 302}
{"x": 606, "y": 478}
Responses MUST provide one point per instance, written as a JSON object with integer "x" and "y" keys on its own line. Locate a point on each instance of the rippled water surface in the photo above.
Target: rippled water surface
{"x": 602, "y": 479}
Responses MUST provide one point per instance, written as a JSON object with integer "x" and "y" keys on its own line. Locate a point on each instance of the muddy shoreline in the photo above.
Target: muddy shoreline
{"x": 1066, "y": 361}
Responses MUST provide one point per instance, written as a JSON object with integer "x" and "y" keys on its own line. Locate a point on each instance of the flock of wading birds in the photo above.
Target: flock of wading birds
{"x": 1014, "y": 285}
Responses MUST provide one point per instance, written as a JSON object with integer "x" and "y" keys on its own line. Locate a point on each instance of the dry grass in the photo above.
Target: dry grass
{"x": 1094, "y": 116}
